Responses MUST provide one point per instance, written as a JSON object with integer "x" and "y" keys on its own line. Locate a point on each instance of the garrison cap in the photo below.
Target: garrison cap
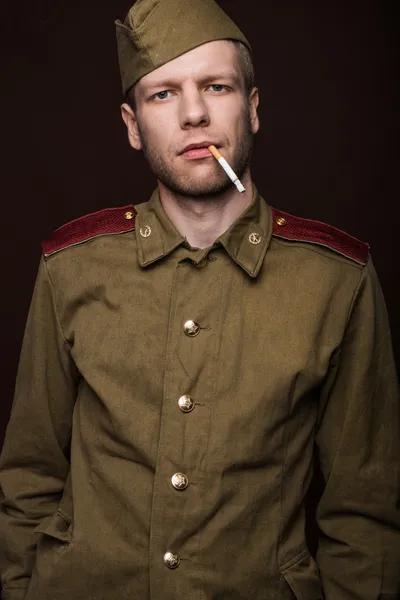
{"x": 157, "y": 31}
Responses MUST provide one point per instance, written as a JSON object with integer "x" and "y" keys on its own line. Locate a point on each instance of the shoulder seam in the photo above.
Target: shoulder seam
{"x": 316, "y": 248}
{"x": 56, "y": 312}
{"x": 85, "y": 241}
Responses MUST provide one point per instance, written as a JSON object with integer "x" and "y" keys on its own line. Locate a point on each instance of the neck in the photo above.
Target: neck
{"x": 203, "y": 221}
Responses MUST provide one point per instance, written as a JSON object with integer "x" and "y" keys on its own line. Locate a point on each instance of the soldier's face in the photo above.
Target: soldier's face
{"x": 198, "y": 98}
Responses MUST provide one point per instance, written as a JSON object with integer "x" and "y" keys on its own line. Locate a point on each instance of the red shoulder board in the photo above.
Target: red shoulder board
{"x": 104, "y": 222}
{"x": 289, "y": 227}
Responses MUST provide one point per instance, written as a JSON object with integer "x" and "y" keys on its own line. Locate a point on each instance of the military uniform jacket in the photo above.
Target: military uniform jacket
{"x": 170, "y": 401}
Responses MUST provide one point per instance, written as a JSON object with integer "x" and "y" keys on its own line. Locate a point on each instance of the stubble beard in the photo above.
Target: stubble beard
{"x": 201, "y": 188}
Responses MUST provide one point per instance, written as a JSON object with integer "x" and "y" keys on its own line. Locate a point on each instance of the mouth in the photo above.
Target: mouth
{"x": 199, "y": 150}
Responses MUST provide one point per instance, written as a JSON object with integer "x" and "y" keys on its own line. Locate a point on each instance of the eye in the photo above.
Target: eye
{"x": 162, "y": 95}
{"x": 217, "y": 87}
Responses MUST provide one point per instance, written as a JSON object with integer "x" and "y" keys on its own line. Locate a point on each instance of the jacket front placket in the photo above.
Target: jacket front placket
{"x": 179, "y": 500}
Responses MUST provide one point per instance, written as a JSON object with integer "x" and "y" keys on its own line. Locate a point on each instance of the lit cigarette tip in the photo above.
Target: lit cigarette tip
{"x": 228, "y": 170}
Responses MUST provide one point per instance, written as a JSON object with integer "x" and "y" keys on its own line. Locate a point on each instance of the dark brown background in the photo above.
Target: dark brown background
{"x": 327, "y": 148}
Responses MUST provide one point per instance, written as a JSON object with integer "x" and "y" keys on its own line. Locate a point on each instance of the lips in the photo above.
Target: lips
{"x": 198, "y": 146}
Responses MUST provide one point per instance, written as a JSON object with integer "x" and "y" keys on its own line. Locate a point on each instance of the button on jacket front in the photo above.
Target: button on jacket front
{"x": 166, "y": 416}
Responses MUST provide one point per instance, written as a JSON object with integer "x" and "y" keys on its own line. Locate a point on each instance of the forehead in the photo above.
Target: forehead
{"x": 214, "y": 57}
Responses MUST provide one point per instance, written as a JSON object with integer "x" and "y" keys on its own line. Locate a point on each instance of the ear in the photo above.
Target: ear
{"x": 131, "y": 123}
{"x": 254, "y": 100}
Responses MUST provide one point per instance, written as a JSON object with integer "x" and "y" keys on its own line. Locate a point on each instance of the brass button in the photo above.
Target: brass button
{"x": 179, "y": 481}
{"x": 255, "y": 238}
{"x": 171, "y": 560}
{"x": 281, "y": 221}
{"x": 191, "y": 328}
{"x": 129, "y": 215}
{"x": 186, "y": 404}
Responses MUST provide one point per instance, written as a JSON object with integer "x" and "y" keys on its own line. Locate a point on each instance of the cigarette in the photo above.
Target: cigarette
{"x": 228, "y": 170}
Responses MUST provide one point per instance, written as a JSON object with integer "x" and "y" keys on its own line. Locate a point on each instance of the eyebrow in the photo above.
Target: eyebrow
{"x": 170, "y": 82}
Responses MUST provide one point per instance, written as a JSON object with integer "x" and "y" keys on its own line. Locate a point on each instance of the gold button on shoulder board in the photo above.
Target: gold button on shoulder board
{"x": 129, "y": 215}
{"x": 281, "y": 221}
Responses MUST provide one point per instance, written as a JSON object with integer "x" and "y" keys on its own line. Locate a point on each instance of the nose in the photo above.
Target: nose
{"x": 193, "y": 109}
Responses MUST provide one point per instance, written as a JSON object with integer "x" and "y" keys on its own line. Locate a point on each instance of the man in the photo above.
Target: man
{"x": 186, "y": 357}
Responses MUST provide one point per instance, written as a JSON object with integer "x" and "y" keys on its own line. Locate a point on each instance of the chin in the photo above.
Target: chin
{"x": 201, "y": 189}
{"x": 198, "y": 187}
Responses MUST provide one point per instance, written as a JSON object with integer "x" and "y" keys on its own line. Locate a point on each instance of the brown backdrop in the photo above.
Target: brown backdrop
{"x": 327, "y": 148}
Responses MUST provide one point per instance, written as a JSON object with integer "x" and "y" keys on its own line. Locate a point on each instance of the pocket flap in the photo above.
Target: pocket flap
{"x": 58, "y": 526}
{"x": 303, "y": 578}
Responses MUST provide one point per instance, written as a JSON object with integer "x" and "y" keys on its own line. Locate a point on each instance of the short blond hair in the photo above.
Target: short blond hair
{"x": 246, "y": 65}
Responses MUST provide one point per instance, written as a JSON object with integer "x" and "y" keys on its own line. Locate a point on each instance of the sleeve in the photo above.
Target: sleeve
{"x": 34, "y": 462}
{"x": 358, "y": 441}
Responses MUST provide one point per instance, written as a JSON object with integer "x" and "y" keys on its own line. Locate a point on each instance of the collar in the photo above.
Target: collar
{"x": 246, "y": 241}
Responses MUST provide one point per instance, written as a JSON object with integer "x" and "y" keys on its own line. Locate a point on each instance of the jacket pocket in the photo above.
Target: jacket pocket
{"x": 57, "y": 526}
{"x": 302, "y": 576}
{"x": 55, "y": 539}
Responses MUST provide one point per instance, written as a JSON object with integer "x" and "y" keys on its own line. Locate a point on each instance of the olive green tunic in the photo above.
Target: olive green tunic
{"x": 289, "y": 353}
